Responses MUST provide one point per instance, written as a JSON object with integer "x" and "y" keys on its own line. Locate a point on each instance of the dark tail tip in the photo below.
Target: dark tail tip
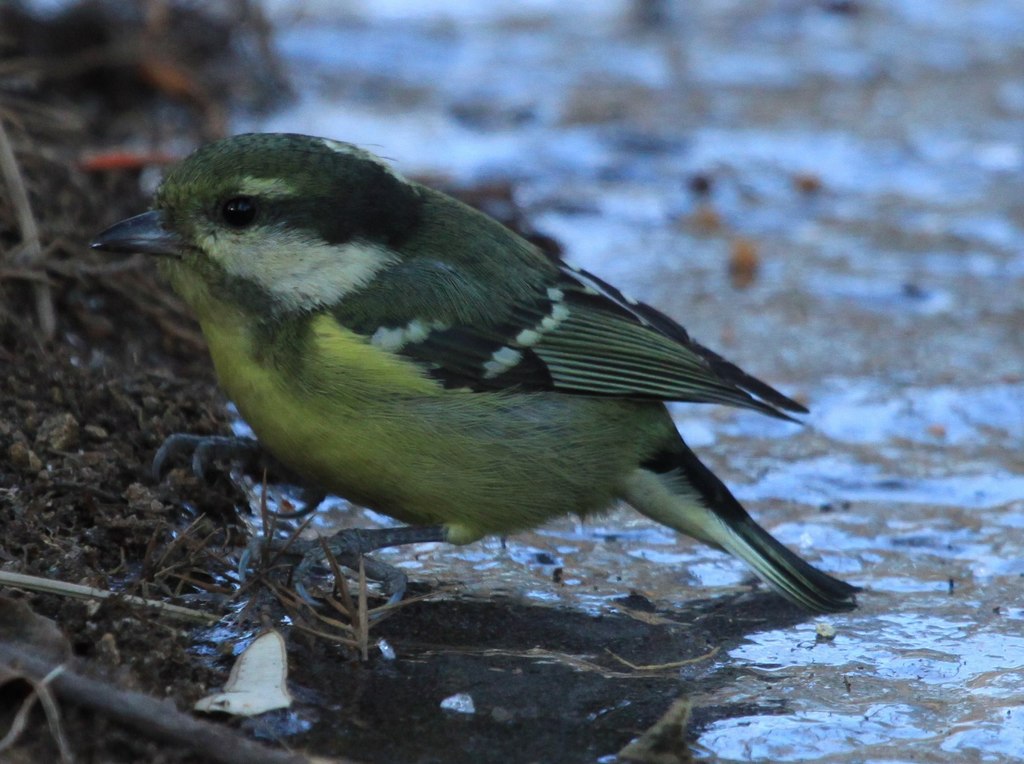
{"x": 791, "y": 575}
{"x": 708, "y": 511}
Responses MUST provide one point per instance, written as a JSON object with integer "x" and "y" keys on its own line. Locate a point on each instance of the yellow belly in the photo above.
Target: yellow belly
{"x": 371, "y": 427}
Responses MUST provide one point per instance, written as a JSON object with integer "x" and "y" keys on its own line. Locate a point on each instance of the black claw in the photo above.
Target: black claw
{"x": 391, "y": 578}
{"x": 175, "y": 444}
{"x": 205, "y": 449}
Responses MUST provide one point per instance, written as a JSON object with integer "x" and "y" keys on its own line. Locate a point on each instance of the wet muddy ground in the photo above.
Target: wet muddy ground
{"x": 829, "y": 194}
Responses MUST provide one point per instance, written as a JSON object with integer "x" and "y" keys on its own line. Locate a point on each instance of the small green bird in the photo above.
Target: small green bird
{"x": 390, "y": 344}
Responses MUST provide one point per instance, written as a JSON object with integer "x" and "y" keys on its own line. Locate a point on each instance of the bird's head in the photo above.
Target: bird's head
{"x": 297, "y": 220}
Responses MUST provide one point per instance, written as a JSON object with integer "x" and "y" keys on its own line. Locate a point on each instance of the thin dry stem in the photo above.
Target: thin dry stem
{"x": 20, "y": 719}
{"x": 664, "y": 666}
{"x": 31, "y": 253}
{"x": 40, "y": 692}
{"x": 363, "y": 624}
{"x": 77, "y": 591}
{"x": 49, "y": 704}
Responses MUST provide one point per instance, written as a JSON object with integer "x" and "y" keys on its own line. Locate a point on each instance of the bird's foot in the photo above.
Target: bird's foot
{"x": 247, "y": 452}
{"x": 205, "y": 449}
{"x": 350, "y": 547}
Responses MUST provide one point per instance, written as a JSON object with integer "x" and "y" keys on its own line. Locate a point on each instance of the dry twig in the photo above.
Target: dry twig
{"x": 77, "y": 591}
{"x": 30, "y": 254}
{"x": 156, "y": 719}
{"x": 41, "y": 693}
{"x": 665, "y": 666}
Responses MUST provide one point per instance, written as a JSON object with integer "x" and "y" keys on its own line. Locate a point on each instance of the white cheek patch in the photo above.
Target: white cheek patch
{"x": 302, "y": 271}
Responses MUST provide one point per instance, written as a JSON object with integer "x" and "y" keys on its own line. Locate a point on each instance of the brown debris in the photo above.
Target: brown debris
{"x": 807, "y": 183}
{"x": 744, "y": 263}
{"x": 665, "y": 742}
{"x": 706, "y": 219}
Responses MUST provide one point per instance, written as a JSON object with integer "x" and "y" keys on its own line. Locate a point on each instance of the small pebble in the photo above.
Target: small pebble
{"x": 96, "y": 432}
{"x": 23, "y": 457}
{"x": 744, "y": 263}
{"x": 807, "y": 183}
{"x": 59, "y": 432}
{"x": 706, "y": 219}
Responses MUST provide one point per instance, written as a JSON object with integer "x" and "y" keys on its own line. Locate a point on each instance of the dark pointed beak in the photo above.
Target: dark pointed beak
{"x": 143, "y": 233}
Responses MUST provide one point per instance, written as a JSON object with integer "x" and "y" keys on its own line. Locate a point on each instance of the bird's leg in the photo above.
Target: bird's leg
{"x": 349, "y": 547}
{"x": 206, "y": 449}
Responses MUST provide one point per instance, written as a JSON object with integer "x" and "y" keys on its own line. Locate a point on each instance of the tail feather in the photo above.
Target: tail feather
{"x": 786, "y": 572}
{"x": 677, "y": 490}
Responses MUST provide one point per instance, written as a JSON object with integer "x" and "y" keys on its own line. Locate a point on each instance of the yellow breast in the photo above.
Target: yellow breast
{"x": 372, "y": 427}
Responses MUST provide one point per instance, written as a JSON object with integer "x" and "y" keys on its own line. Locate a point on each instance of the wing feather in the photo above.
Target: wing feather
{"x": 574, "y": 334}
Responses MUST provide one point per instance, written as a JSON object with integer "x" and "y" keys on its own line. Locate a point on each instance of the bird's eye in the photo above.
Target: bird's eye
{"x": 239, "y": 211}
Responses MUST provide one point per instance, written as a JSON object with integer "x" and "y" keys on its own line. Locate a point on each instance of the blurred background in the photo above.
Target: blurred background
{"x": 828, "y": 193}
